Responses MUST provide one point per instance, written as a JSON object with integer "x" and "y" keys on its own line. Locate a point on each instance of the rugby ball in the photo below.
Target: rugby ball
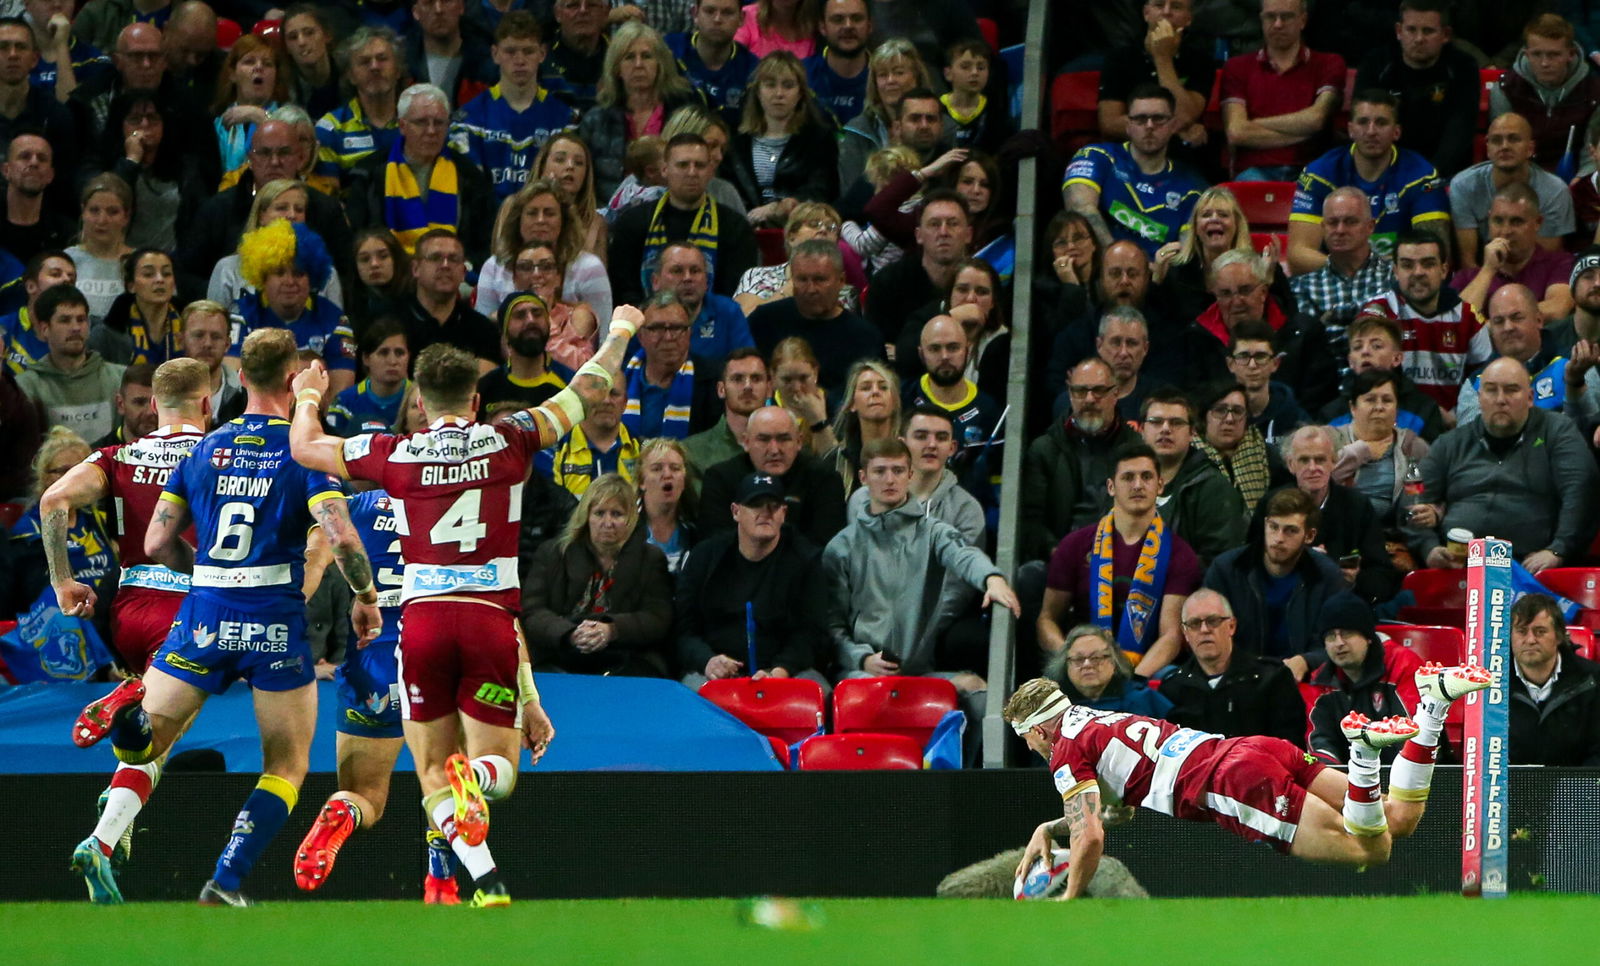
{"x": 1042, "y": 878}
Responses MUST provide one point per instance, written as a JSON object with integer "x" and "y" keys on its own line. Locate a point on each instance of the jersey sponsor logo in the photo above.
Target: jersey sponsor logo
{"x": 1064, "y": 780}
{"x": 356, "y": 447}
{"x": 249, "y": 441}
{"x": 1145, "y": 227}
{"x": 1082, "y": 168}
{"x": 184, "y": 664}
{"x": 244, "y": 636}
{"x": 358, "y": 142}
{"x": 495, "y": 695}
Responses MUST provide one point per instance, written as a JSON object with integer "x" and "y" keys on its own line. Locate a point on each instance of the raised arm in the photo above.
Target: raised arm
{"x": 163, "y": 541}
{"x": 309, "y": 442}
{"x": 556, "y": 417}
{"x": 83, "y": 485}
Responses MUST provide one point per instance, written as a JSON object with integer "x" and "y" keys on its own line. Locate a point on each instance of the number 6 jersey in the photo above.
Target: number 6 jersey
{"x": 456, "y": 488}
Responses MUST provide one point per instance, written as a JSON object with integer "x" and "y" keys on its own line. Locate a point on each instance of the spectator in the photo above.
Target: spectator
{"x": 839, "y": 336}
{"x": 779, "y": 25}
{"x": 718, "y": 66}
{"x": 1197, "y": 501}
{"x": 1516, "y": 331}
{"x": 450, "y": 192}
{"x": 743, "y": 387}
{"x": 24, "y": 107}
{"x": 894, "y": 70}
{"x": 685, "y": 212}
{"x": 970, "y": 119}
{"x": 772, "y": 447}
{"x": 1277, "y": 582}
{"x": 597, "y": 446}
{"x": 284, "y": 264}
{"x": 930, "y": 436}
{"x": 1277, "y": 102}
{"x": 573, "y": 326}
{"x": 1583, "y": 329}
{"x": 945, "y": 352}
{"x": 717, "y": 132}
{"x": 666, "y": 506}
{"x": 977, "y": 300}
{"x": 1375, "y": 344}
{"x": 189, "y": 45}
{"x": 99, "y": 21}
{"x": 1169, "y": 54}
{"x": 1132, "y": 190}
{"x": 253, "y": 83}
{"x": 837, "y": 74}
{"x": 1352, "y": 273}
{"x": 436, "y": 311}
{"x": 869, "y": 410}
{"x": 1093, "y": 671}
{"x": 369, "y": 123}
{"x": 576, "y": 61}
{"x": 944, "y": 233}
{"x": 1182, "y": 269}
{"x": 1127, "y": 573}
{"x": 1374, "y": 451}
{"x": 143, "y": 145}
{"x": 1552, "y": 85}
{"x": 665, "y": 396}
{"x": 308, "y": 40}
{"x": 502, "y": 128}
{"x": 1363, "y": 674}
{"x": 24, "y": 430}
{"x": 64, "y": 62}
{"x": 1239, "y": 283}
{"x": 1253, "y": 360}
{"x": 373, "y": 404}
{"x": 565, "y": 162}
{"x": 1435, "y": 81}
{"x": 639, "y": 90}
{"x": 1124, "y": 344}
{"x": 1227, "y": 690}
{"x": 1518, "y": 471}
{"x": 383, "y": 278}
{"x": 796, "y": 387}
{"x": 537, "y": 213}
{"x": 784, "y": 153}
{"x": 72, "y": 384}
{"x": 450, "y": 51}
{"x": 1354, "y": 521}
{"x": 277, "y": 200}
{"x": 767, "y": 283}
{"x": 1555, "y": 702}
{"x": 143, "y": 325}
{"x": 19, "y": 332}
{"x": 717, "y": 324}
{"x": 598, "y": 600}
{"x": 1473, "y": 191}
{"x": 971, "y": 174}
{"x": 206, "y": 338}
{"x": 1399, "y": 187}
{"x": 107, "y": 205}
{"x": 1062, "y": 469}
{"x": 31, "y": 223}
{"x": 136, "y": 417}
{"x": 1235, "y": 446}
{"x": 530, "y": 376}
{"x": 138, "y": 64}
{"x": 776, "y": 580}
{"x": 1514, "y": 254}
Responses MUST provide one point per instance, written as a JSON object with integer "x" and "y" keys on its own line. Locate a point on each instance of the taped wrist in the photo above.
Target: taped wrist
{"x": 526, "y": 691}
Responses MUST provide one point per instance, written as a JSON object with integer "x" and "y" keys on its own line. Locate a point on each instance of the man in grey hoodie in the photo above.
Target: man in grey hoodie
{"x": 73, "y": 384}
{"x": 1552, "y": 86}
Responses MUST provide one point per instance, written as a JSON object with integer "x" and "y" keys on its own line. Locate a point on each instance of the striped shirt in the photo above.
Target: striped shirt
{"x": 1439, "y": 347}
{"x": 344, "y": 137}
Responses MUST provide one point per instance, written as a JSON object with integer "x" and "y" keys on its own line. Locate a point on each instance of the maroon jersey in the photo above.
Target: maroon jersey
{"x": 135, "y": 474}
{"x": 1135, "y": 760}
{"x": 456, "y": 488}
{"x": 1437, "y": 349}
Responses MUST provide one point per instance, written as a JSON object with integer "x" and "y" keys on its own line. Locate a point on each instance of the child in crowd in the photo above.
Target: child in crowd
{"x": 646, "y": 175}
{"x": 874, "y": 249}
{"x": 971, "y": 120}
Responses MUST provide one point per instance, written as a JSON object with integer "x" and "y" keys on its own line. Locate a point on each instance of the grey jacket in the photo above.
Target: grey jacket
{"x": 886, "y": 577}
{"x": 82, "y": 400}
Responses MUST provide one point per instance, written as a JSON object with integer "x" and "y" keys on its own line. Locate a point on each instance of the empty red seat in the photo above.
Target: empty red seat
{"x": 1074, "y": 109}
{"x": 1583, "y": 639}
{"x": 906, "y": 706}
{"x": 859, "y": 752}
{"x": 1446, "y": 645}
{"x": 1434, "y": 616}
{"x": 1265, "y": 204}
{"x": 788, "y": 709}
{"x": 228, "y": 31}
{"x": 1438, "y": 588}
{"x": 1580, "y": 584}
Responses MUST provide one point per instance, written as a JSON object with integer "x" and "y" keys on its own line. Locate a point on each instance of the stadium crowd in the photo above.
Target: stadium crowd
{"x": 1237, "y": 446}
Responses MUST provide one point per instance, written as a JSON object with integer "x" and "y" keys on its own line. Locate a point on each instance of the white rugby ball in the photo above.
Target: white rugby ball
{"x": 1042, "y": 878}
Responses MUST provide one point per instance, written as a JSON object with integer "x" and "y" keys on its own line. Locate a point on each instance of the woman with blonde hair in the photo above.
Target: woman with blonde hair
{"x": 640, "y": 87}
{"x": 666, "y": 499}
{"x": 870, "y": 411}
{"x": 767, "y": 283}
{"x": 789, "y": 26}
{"x": 598, "y": 599}
{"x": 894, "y": 70}
{"x": 276, "y": 200}
{"x": 566, "y": 162}
{"x": 783, "y": 154}
{"x": 538, "y": 212}
{"x": 1216, "y": 225}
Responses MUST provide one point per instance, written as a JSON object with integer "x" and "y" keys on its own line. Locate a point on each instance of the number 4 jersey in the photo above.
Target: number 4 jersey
{"x": 456, "y": 491}
{"x": 1135, "y": 760}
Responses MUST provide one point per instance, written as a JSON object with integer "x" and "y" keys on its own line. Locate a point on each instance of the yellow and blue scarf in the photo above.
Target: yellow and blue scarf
{"x": 144, "y": 351}
{"x": 405, "y": 211}
{"x": 702, "y": 235}
{"x": 1143, "y": 603}
{"x": 680, "y": 399}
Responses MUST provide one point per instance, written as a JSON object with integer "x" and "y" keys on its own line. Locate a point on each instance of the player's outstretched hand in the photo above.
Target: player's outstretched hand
{"x": 1039, "y": 845}
{"x": 314, "y": 376}
{"x": 367, "y": 621}
{"x": 75, "y": 599}
{"x": 537, "y": 731}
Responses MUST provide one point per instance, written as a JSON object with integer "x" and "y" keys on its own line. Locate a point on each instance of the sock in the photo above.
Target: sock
{"x": 1363, "y": 803}
{"x": 1412, "y": 775}
{"x": 355, "y": 810}
{"x": 264, "y": 813}
{"x": 496, "y": 776}
{"x": 131, "y": 786}
{"x": 1430, "y": 720}
{"x": 131, "y": 737}
{"x": 476, "y": 858}
{"x": 441, "y": 861}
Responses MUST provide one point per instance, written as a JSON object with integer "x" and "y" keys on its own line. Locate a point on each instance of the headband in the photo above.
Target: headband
{"x": 515, "y": 299}
{"x": 1048, "y": 710}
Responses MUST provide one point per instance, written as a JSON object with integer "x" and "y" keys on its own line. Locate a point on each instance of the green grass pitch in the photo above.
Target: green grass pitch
{"x": 1547, "y": 930}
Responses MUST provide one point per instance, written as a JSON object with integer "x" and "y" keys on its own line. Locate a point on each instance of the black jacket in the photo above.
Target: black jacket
{"x": 640, "y": 607}
{"x": 790, "y": 630}
{"x": 1256, "y": 696}
{"x": 1418, "y": 410}
{"x": 1385, "y": 686}
{"x": 1240, "y": 576}
{"x": 808, "y": 169}
{"x": 736, "y": 249}
{"x": 1349, "y": 525}
{"x": 812, "y": 490}
{"x": 1565, "y": 730}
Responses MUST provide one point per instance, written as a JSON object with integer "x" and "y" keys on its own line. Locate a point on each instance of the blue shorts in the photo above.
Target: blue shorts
{"x": 213, "y": 644}
{"x": 369, "y": 688}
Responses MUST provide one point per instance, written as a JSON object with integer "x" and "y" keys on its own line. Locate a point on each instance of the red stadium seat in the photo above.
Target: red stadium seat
{"x": 228, "y": 31}
{"x": 1074, "y": 109}
{"x": 10, "y": 513}
{"x": 1438, "y": 588}
{"x": 770, "y": 242}
{"x": 906, "y": 706}
{"x": 1580, "y": 584}
{"x": 859, "y": 752}
{"x": 991, "y": 33}
{"x": 788, "y": 709}
{"x": 1446, "y": 645}
{"x": 1583, "y": 639}
{"x": 1488, "y": 77}
{"x": 1265, "y": 203}
{"x": 1211, "y": 116}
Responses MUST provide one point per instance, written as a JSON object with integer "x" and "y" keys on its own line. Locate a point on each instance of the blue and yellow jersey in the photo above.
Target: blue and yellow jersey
{"x": 503, "y": 141}
{"x": 1147, "y": 209}
{"x": 252, "y": 507}
{"x": 344, "y": 137}
{"x": 322, "y": 328}
{"x": 841, "y": 98}
{"x": 88, "y": 64}
{"x": 23, "y": 345}
{"x": 372, "y": 514}
{"x": 1409, "y": 193}
{"x": 724, "y": 88}
{"x": 359, "y": 410}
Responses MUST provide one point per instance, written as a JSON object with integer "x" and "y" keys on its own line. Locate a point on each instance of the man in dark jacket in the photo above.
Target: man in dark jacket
{"x": 1277, "y": 583}
{"x": 813, "y": 492}
{"x": 1376, "y": 678}
{"x": 1200, "y": 504}
{"x": 1349, "y": 530}
{"x": 1555, "y": 700}
{"x": 1228, "y": 692}
{"x": 776, "y": 570}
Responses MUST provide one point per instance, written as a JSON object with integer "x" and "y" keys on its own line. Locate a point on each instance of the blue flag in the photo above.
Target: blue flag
{"x": 944, "y": 746}
{"x": 47, "y": 645}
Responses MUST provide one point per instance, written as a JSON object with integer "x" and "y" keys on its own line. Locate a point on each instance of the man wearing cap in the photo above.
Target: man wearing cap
{"x": 529, "y": 376}
{"x": 760, "y": 564}
{"x": 1579, "y": 336}
{"x": 1360, "y": 673}
{"x": 772, "y": 446}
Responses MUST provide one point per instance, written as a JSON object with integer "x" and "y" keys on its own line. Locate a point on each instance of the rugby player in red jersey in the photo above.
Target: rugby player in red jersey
{"x": 465, "y": 680}
{"x": 132, "y": 475}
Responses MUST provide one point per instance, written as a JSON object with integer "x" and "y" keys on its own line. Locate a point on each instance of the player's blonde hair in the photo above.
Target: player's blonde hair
{"x": 266, "y": 357}
{"x": 1029, "y": 697}
{"x": 446, "y": 378}
{"x": 178, "y": 382}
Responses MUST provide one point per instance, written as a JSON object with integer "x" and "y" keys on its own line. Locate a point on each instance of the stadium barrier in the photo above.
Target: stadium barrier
{"x": 589, "y": 835}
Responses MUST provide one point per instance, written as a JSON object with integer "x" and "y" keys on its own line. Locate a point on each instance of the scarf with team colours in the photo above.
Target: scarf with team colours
{"x": 1144, "y": 590}
{"x": 702, "y": 235}
{"x": 680, "y": 398}
{"x": 405, "y": 211}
